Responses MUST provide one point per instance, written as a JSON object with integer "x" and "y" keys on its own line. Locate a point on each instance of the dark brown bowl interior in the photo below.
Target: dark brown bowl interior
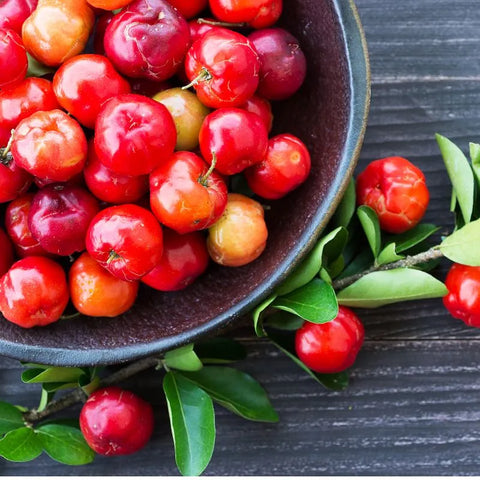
{"x": 329, "y": 114}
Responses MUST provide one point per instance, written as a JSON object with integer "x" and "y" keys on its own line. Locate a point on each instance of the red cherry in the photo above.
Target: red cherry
{"x": 6, "y": 252}
{"x": 189, "y": 8}
{"x": 127, "y": 240}
{"x": 13, "y": 58}
{"x": 184, "y": 195}
{"x": 256, "y": 13}
{"x": 14, "y": 12}
{"x": 84, "y": 83}
{"x": 333, "y": 346}
{"x": 116, "y": 422}
{"x": 283, "y": 64}
{"x": 134, "y": 134}
{"x": 198, "y": 28}
{"x": 14, "y": 181}
{"x": 33, "y": 292}
{"x": 261, "y": 107}
{"x": 185, "y": 257}
{"x": 223, "y": 67}
{"x": 237, "y": 139}
{"x": 396, "y": 190}
{"x": 147, "y": 40}
{"x": 99, "y": 35}
{"x": 59, "y": 217}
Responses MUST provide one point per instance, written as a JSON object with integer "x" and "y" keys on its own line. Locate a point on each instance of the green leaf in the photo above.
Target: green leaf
{"x": 52, "y": 375}
{"x": 315, "y": 302}
{"x": 371, "y": 226}
{"x": 37, "y": 69}
{"x": 384, "y": 287}
{"x": 220, "y": 350}
{"x": 285, "y": 341}
{"x": 331, "y": 246}
{"x": 388, "y": 255}
{"x": 183, "y": 358}
{"x": 11, "y": 418}
{"x": 345, "y": 211}
{"x": 462, "y": 246}
{"x": 192, "y": 420}
{"x": 236, "y": 391}
{"x": 65, "y": 444}
{"x": 284, "y": 320}
{"x": 460, "y": 173}
{"x": 411, "y": 238}
{"x": 20, "y": 445}
{"x": 361, "y": 262}
{"x": 46, "y": 397}
{"x": 257, "y": 315}
{"x": 475, "y": 156}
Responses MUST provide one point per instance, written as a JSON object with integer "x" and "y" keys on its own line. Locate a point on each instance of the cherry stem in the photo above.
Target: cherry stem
{"x": 203, "y": 76}
{"x": 5, "y": 158}
{"x": 216, "y": 23}
{"x": 78, "y": 395}
{"x": 203, "y": 179}
{"x": 407, "y": 262}
{"x": 72, "y": 315}
{"x": 113, "y": 255}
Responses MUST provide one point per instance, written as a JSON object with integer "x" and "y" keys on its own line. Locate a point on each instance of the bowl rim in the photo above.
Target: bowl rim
{"x": 358, "y": 66}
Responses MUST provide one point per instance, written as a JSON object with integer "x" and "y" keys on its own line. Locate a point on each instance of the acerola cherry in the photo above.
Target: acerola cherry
{"x": 84, "y": 83}
{"x": 285, "y": 167}
{"x": 57, "y": 31}
{"x": 463, "y": 298}
{"x": 109, "y": 4}
{"x": 134, "y": 134}
{"x": 16, "y": 224}
{"x": 116, "y": 422}
{"x": 187, "y": 112}
{"x": 333, "y": 346}
{"x": 147, "y": 40}
{"x": 198, "y": 28}
{"x": 125, "y": 239}
{"x": 185, "y": 195}
{"x": 20, "y": 101}
{"x": 6, "y": 252}
{"x": 240, "y": 235}
{"x": 14, "y": 181}
{"x": 223, "y": 67}
{"x": 96, "y": 292}
{"x": 185, "y": 257}
{"x": 396, "y": 190}
{"x": 33, "y": 292}
{"x": 14, "y": 12}
{"x": 99, "y": 33}
{"x": 189, "y": 8}
{"x": 283, "y": 64}
{"x": 13, "y": 58}
{"x": 109, "y": 186}
{"x": 50, "y": 145}
{"x": 236, "y": 138}
{"x": 59, "y": 217}
{"x": 256, "y": 13}
{"x": 261, "y": 107}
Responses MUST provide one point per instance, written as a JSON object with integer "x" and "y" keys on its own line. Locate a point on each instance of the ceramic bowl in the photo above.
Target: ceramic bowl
{"x": 329, "y": 114}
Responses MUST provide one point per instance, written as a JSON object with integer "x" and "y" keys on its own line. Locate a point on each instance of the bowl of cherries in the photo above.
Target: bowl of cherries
{"x": 165, "y": 164}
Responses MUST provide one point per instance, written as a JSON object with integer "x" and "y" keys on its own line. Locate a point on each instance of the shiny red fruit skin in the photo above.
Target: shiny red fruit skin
{"x": 6, "y": 252}
{"x": 333, "y": 346}
{"x": 127, "y": 240}
{"x": 99, "y": 34}
{"x": 147, "y": 40}
{"x": 396, "y": 190}
{"x": 14, "y": 12}
{"x": 84, "y": 83}
{"x": 229, "y": 64}
{"x": 185, "y": 257}
{"x": 463, "y": 298}
{"x": 283, "y": 64}
{"x": 189, "y": 8}
{"x": 16, "y": 224}
{"x": 20, "y": 101}
{"x": 261, "y": 107}
{"x": 256, "y": 13}
{"x": 14, "y": 181}
{"x": 116, "y": 421}
{"x": 50, "y": 145}
{"x": 109, "y": 186}
{"x": 286, "y": 166}
{"x": 180, "y": 199}
{"x": 238, "y": 138}
{"x": 134, "y": 134}
{"x": 198, "y": 30}
{"x": 13, "y": 58}
{"x": 59, "y": 217}
{"x": 33, "y": 292}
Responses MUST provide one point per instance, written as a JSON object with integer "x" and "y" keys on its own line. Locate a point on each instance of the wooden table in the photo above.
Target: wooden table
{"x": 413, "y": 406}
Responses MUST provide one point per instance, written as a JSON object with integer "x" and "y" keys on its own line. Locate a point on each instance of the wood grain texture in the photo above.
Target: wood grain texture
{"x": 413, "y": 404}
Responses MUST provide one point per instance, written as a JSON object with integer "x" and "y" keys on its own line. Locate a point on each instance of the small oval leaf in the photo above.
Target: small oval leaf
{"x": 11, "y": 418}
{"x": 346, "y": 209}
{"x": 20, "y": 445}
{"x": 462, "y": 246}
{"x": 371, "y": 226}
{"x": 411, "y": 238}
{"x": 183, "y": 358}
{"x": 52, "y": 375}
{"x": 257, "y": 315}
{"x": 385, "y": 287}
{"x": 388, "y": 255}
